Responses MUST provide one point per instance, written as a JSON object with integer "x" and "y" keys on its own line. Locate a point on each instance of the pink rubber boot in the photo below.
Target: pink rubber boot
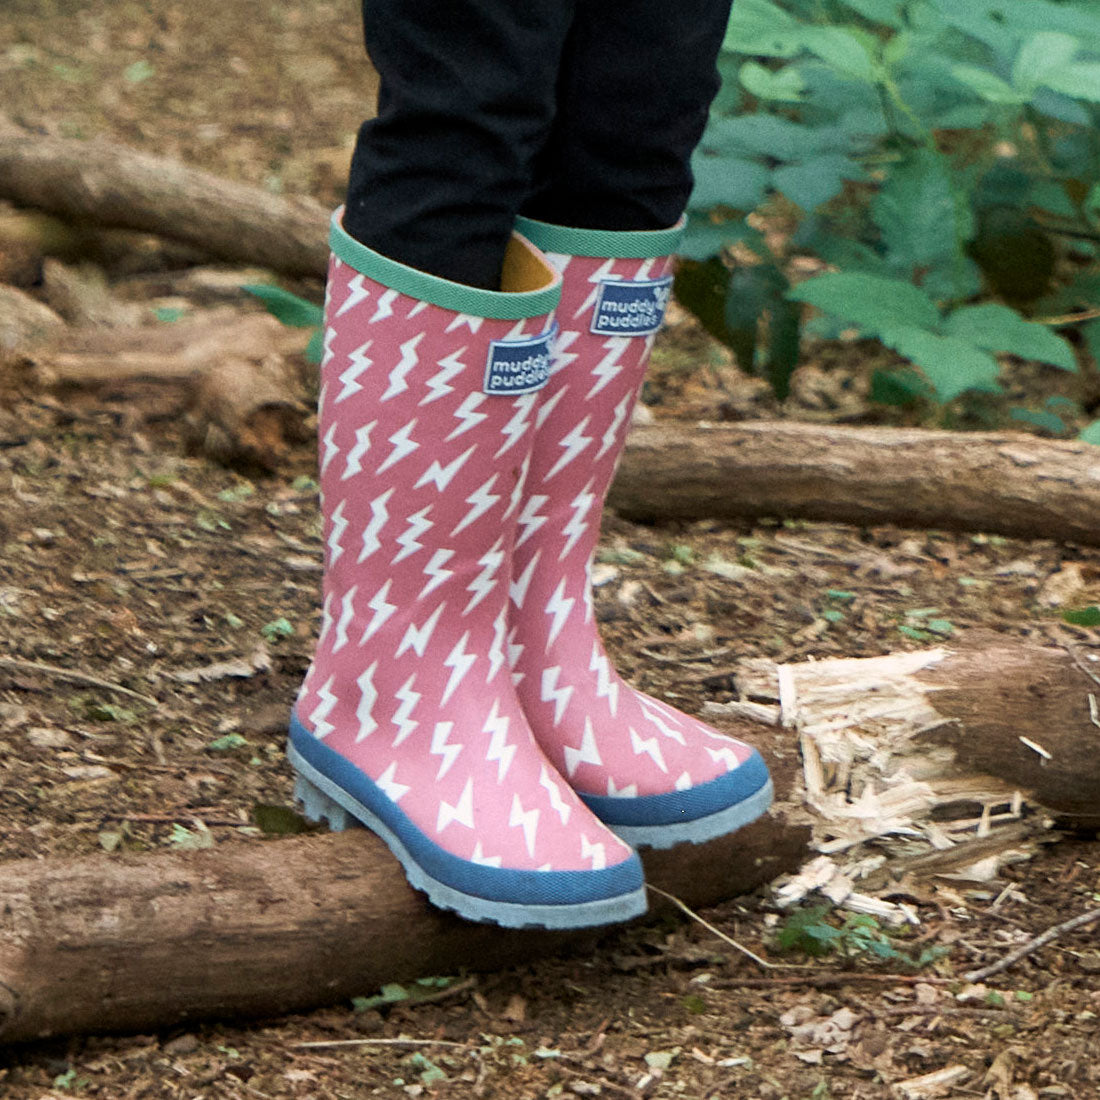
{"x": 408, "y": 721}
{"x": 653, "y": 774}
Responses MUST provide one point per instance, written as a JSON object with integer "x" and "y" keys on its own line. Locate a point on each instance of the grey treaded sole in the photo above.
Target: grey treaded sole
{"x": 701, "y": 829}
{"x": 321, "y": 798}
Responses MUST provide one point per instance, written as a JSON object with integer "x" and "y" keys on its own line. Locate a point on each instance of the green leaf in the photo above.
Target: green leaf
{"x": 169, "y": 314}
{"x": 887, "y": 12}
{"x": 277, "y": 628}
{"x": 761, "y": 135}
{"x": 138, "y": 72}
{"x": 392, "y": 993}
{"x": 845, "y": 49}
{"x": 817, "y": 180}
{"x": 782, "y": 86}
{"x": 1042, "y": 55}
{"x": 227, "y": 743}
{"x": 1041, "y": 418}
{"x": 1091, "y": 434}
{"x": 900, "y": 386}
{"x": 987, "y": 85}
{"x": 951, "y": 365}
{"x": 784, "y": 346}
{"x": 917, "y": 213}
{"x": 195, "y": 839}
{"x": 998, "y": 328}
{"x": 873, "y": 302}
{"x": 728, "y": 181}
{"x": 762, "y": 29}
{"x": 288, "y": 308}
{"x": 1088, "y": 616}
{"x": 1081, "y": 80}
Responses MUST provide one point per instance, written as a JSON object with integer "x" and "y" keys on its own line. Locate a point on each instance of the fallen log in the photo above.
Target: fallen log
{"x": 994, "y": 482}
{"x": 101, "y": 184}
{"x": 915, "y": 744}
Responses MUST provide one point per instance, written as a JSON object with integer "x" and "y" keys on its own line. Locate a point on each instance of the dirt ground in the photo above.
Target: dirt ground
{"x": 128, "y": 564}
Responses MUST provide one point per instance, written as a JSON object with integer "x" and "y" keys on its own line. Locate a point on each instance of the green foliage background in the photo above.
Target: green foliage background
{"x": 938, "y": 155}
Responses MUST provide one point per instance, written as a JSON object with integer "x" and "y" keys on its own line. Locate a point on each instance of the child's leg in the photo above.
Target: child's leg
{"x": 467, "y": 98}
{"x": 638, "y": 78}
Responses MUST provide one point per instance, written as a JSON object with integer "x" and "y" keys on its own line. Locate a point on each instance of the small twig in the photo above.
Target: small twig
{"x": 168, "y": 819}
{"x": 376, "y": 1043}
{"x": 716, "y": 931}
{"x": 17, "y": 665}
{"x": 824, "y": 979}
{"x": 1079, "y": 921}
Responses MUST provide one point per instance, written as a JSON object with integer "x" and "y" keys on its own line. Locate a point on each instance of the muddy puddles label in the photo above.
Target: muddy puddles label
{"x": 630, "y": 308}
{"x": 519, "y": 366}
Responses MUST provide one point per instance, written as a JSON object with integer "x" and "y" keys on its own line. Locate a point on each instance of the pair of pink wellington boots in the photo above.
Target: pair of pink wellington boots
{"x": 460, "y": 702}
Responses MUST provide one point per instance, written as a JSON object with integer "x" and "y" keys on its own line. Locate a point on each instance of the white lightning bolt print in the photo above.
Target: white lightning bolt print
{"x": 572, "y": 443}
{"x": 331, "y": 450}
{"x": 551, "y": 693}
{"x": 402, "y": 717}
{"x": 607, "y": 684}
{"x": 652, "y": 710}
{"x": 564, "y": 358}
{"x": 409, "y": 359}
{"x": 603, "y": 272}
{"x": 368, "y": 696}
{"x": 339, "y": 526}
{"x": 485, "y": 581}
{"x": 648, "y": 746}
{"x": 727, "y": 756}
{"x": 379, "y": 516}
{"x": 459, "y": 662}
{"x": 347, "y": 613}
{"x": 629, "y": 791}
{"x": 388, "y": 784}
{"x": 321, "y": 726}
{"x": 418, "y": 523}
{"x": 480, "y": 501}
{"x": 515, "y": 652}
{"x": 385, "y": 307}
{"x": 595, "y": 852}
{"x": 444, "y": 475}
{"x": 553, "y": 790}
{"x": 478, "y": 856}
{"x": 467, "y": 415}
{"x": 496, "y": 646}
{"x": 499, "y": 751}
{"x": 472, "y": 323}
{"x": 403, "y": 446}
{"x": 517, "y": 589}
{"x": 328, "y": 352}
{"x": 610, "y": 437}
{"x": 417, "y": 637}
{"x": 382, "y": 611}
{"x": 359, "y": 362}
{"x": 449, "y": 753}
{"x": 435, "y": 572}
{"x": 517, "y": 427}
{"x": 588, "y": 753}
{"x": 609, "y": 366}
{"x": 576, "y": 527}
{"x": 559, "y": 607}
{"x": 548, "y": 406}
{"x": 528, "y": 820}
{"x": 356, "y": 293}
{"x": 529, "y": 518}
{"x": 685, "y": 782}
{"x": 354, "y": 463}
{"x": 463, "y": 812}
{"x": 437, "y": 385}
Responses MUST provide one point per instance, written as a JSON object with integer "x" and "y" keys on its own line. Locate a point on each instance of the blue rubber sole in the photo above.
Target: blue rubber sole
{"x": 694, "y": 816}
{"x": 332, "y": 789}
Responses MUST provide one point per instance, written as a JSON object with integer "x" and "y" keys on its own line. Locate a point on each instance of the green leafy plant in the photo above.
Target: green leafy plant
{"x": 937, "y": 156}
{"x": 809, "y": 931}
{"x": 292, "y": 311}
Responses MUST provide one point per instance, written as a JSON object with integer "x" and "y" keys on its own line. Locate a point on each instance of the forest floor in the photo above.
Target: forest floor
{"x": 128, "y": 563}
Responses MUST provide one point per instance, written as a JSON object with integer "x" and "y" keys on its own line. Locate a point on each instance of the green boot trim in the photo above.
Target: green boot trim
{"x": 531, "y": 287}
{"x": 614, "y": 244}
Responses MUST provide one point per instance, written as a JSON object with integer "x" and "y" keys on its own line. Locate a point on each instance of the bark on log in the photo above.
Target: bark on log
{"x": 995, "y": 482}
{"x": 111, "y": 186}
{"x": 140, "y": 942}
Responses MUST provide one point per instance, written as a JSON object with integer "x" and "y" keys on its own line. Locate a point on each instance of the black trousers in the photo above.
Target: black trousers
{"x": 578, "y": 112}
